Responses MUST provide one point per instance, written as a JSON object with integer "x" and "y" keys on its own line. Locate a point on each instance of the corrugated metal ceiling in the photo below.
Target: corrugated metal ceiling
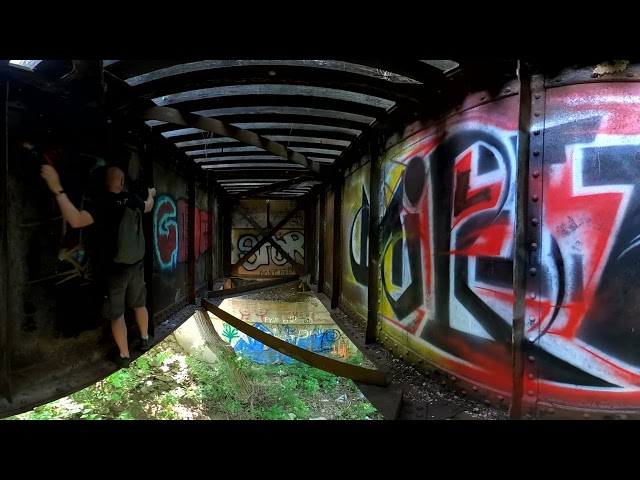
{"x": 254, "y": 123}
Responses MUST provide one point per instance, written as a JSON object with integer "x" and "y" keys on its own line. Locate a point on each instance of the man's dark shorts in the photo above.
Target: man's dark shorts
{"x": 125, "y": 288}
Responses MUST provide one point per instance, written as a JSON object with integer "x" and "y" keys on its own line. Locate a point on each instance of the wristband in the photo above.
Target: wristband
{"x": 58, "y": 193}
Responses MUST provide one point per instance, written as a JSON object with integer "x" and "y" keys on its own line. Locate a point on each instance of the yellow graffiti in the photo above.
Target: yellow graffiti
{"x": 392, "y": 177}
{"x": 387, "y": 257}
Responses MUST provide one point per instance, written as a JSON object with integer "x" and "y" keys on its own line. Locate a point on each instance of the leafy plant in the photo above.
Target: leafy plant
{"x": 164, "y": 384}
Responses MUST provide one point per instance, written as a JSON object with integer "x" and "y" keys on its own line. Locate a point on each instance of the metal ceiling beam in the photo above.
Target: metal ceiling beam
{"x": 270, "y": 188}
{"x": 414, "y": 69}
{"x": 402, "y": 93}
{"x": 311, "y": 135}
{"x": 172, "y": 115}
{"x": 214, "y": 153}
{"x": 295, "y": 101}
{"x": 31, "y": 78}
{"x": 132, "y": 68}
{"x": 249, "y": 175}
{"x": 285, "y": 123}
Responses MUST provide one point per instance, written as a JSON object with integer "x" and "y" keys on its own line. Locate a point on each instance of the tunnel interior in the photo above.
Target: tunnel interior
{"x": 474, "y": 217}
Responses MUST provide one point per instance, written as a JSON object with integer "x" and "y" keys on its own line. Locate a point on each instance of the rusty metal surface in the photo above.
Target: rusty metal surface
{"x": 252, "y": 287}
{"x": 520, "y": 237}
{"x": 532, "y": 201}
{"x": 213, "y": 125}
{"x": 5, "y": 350}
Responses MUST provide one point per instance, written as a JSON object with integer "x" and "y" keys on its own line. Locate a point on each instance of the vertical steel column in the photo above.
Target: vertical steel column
{"x": 147, "y": 226}
{"x": 310, "y": 237}
{"x": 521, "y": 252}
{"x": 322, "y": 233}
{"x": 337, "y": 240}
{"x": 373, "y": 285}
{"x": 534, "y": 217}
{"x": 191, "y": 237}
{"x": 227, "y": 220}
{"x": 5, "y": 352}
{"x": 208, "y": 259}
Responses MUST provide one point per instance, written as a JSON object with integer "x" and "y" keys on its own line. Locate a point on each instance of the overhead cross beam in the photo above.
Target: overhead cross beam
{"x": 269, "y": 188}
{"x": 213, "y": 125}
{"x": 267, "y": 236}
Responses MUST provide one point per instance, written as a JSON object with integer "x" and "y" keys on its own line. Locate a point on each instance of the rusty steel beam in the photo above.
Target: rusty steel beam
{"x": 31, "y": 78}
{"x": 310, "y": 237}
{"x": 257, "y": 286}
{"x": 336, "y": 283}
{"x": 532, "y": 192}
{"x": 213, "y": 125}
{"x": 269, "y": 188}
{"x": 225, "y": 209}
{"x": 5, "y": 350}
{"x": 267, "y": 237}
{"x": 521, "y": 251}
{"x": 322, "y": 233}
{"x": 190, "y": 286}
{"x": 373, "y": 295}
{"x": 335, "y": 367}
{"x": 208, "y": 259}
{"x": 430, "y": 76}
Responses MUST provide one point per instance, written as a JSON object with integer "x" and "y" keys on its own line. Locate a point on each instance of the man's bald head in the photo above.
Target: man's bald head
{"x": 114, "y": 180}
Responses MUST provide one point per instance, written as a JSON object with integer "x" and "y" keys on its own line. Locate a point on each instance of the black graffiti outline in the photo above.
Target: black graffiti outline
{"x": 361, "y": 269}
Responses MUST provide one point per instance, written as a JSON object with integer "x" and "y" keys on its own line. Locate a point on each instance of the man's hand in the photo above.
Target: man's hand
{"x": 52, "y": 178}
{"x": 148, "y": 203}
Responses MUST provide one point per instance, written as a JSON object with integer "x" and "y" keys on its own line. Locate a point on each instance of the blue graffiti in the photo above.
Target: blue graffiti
{"x": 165, "y": 232}
{"x": 319, "y": 341}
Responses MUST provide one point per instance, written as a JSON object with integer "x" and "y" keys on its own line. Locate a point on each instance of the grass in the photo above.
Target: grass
{"x": 165, "y": 384}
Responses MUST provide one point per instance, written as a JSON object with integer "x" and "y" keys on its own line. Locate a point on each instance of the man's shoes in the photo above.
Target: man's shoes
{"x": 145, "y": 343}
{"x": 121, "y": 362}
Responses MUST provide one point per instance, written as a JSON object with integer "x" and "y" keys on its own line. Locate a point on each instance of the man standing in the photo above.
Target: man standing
{"x": 119, "y": 252}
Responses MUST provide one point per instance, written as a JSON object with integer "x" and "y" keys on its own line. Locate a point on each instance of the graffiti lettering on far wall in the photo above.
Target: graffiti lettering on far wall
{"x": 267, "y": 260}
{"x": 170, "y": 231}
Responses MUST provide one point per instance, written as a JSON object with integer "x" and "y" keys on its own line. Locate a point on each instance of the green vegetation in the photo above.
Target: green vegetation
{"x": 164, "y": 384}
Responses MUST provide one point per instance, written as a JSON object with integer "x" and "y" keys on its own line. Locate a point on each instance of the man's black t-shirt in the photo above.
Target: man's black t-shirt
{"x": 107, "y": 211}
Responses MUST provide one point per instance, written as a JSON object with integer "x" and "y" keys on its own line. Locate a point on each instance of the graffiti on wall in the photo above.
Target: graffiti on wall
{"x": 304, "y": 324}
{"x": 584, "y": 314}
{"x": 170, "y": 231}
{"x": 355, "y": 230}
{"x": 447, "y": 243}
{"x": 267, "y": 260}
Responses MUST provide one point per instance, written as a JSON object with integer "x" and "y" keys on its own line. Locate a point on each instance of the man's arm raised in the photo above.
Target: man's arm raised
{"x": 148, "y": 203}
{"x": 76, "y": 218}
